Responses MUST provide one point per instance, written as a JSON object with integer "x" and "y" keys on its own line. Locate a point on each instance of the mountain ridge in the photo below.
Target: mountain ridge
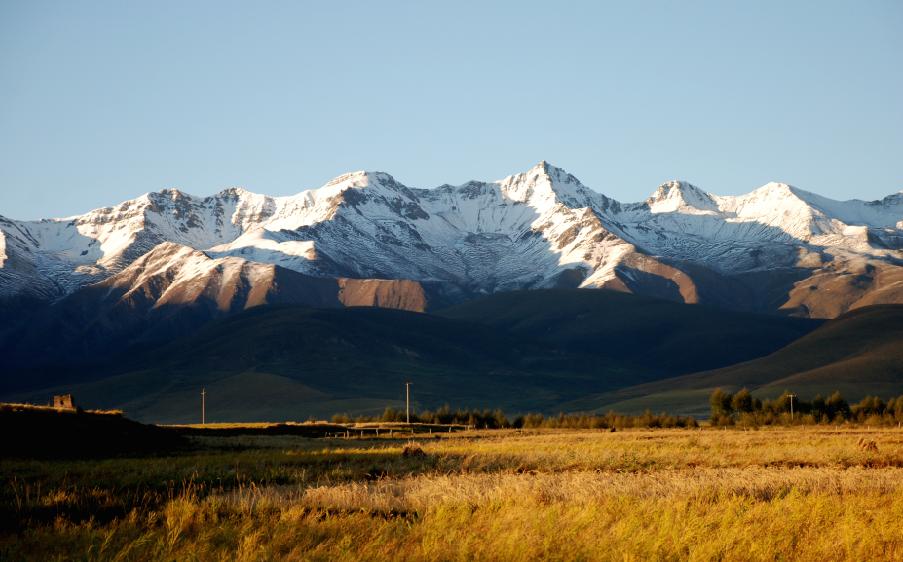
{"x": 538, "y": 228}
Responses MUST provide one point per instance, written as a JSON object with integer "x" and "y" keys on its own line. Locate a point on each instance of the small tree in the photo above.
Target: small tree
{"x": 818, "y": 405}
{"x": 444, "y": 414}
{"x": 390, "y": 414}
{"x": 870, "y": 405}
{"x": 720, "y": 403}
{"x": 781, "y": 404}
{"x": 836, "y": 406}
{"x": 895, "y": 408}
{"x": 742, "y": 401}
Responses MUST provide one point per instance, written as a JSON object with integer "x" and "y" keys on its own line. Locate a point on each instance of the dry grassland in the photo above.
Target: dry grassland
{"x": 774, "y": 494}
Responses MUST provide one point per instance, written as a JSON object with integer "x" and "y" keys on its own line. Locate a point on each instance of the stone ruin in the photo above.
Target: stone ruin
{"x": 63, "y": 401}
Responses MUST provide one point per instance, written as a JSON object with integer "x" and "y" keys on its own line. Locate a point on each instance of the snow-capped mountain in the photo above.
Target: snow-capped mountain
{"x": 776, "y": 247}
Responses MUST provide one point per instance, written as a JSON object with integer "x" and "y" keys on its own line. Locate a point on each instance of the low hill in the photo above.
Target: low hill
{"x": 522, "y": 351}
{"x": 859, "y": 354}
{"x": 647, "y": 333}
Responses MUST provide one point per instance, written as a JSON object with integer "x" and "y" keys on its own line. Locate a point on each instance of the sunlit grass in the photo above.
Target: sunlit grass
{"x": 794, "y": 494}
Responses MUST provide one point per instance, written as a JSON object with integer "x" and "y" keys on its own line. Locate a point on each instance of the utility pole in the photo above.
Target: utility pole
{"x": 203, "y": 406}
{"x": 407, "y": 401}
{"x": 791, "y": 396}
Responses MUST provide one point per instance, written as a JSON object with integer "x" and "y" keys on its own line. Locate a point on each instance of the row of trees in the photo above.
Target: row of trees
{"x": 743, "y": 408}
{"x": 496, "y": 419}
{"x": 610, "y": 420}
{"x": 490, "y": 419}
{"x": 739, "y": 408}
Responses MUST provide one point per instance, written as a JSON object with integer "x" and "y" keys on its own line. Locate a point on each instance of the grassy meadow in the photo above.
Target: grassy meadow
{"x": 800, "y": 493}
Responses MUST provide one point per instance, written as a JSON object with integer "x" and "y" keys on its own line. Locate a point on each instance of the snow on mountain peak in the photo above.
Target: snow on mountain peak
{"x": 235, "y": 193}
{"x": 777, "y": 187}
{"x": 680, "y": 196}
{"x": 768, "y": 196}
{"x": 172, "y": 193}
{"x": 359, "y": 179}
{"x": 544, "y": 185}
{"x": 525, "y": 230}
{"x": 554, "y": 174}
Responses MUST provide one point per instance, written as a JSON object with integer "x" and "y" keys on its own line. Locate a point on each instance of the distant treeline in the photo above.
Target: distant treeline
{"x": 497, "y": 419}
{"x": 741, "y": 408}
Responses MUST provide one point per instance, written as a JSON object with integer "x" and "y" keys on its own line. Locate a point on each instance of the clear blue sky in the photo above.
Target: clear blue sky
{"x": 103, "y": 101}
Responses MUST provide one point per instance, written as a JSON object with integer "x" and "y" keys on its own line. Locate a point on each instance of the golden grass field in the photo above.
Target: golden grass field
{"x": 801, "y": 493}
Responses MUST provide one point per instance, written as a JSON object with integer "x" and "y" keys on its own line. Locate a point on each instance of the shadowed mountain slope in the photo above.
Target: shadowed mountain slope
{"x": 859, "y": 353}
{"x": 530, "y": 350}
{"x": 172, "y": 291}
{"x": 634, "y": 330}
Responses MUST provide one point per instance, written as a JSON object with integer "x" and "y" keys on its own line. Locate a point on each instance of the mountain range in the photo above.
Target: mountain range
{"x": 775, "y": 248}
{"x": 82, "y": 297}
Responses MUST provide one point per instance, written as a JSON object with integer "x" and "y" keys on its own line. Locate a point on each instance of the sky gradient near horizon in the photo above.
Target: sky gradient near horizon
{"x": 103, "y": 101}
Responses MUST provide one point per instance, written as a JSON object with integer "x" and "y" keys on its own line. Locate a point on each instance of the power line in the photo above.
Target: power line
{"x": 407, "y": 401}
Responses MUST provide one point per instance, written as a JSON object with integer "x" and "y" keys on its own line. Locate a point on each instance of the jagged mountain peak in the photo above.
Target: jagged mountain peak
{"x": 361, "y": 179}
{"x": 776, "y": 190}
{"x": 675, "y": 186}
{"x": 550, "y": 170}
{"x": 540, "y": 227}
{"x": 236, "y": 192}
{"x": 776, "y": 186}
{"x": 544, "y": 185}
{"x": 892, "y": 199}
{"x": 175, "y": 195}
{"x": 553, "y": 174}
{"x": 351, "y": 189}
{"x": 774, "y": 199}
{"x": 676, "y": 195}
{"x": 172, "y": 193}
